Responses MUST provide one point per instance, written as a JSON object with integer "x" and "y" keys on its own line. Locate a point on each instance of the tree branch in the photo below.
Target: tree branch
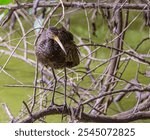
{"x": 77, "y": 5}
{"x": 86, "y": 117}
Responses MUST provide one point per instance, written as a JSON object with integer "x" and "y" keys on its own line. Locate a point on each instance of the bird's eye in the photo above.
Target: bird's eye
{"x": 53, "y": 30}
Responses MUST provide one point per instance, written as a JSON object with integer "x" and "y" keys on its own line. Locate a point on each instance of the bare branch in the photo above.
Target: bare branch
{"x": 7, "y": 110}
{"x": 86, "y": 117}
{"x": 77, "y": 5}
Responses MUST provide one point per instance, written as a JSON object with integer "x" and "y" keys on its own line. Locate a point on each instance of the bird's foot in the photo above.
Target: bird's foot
{"x": 64, "y": 110}
{"x": 79, "y": 111}
{"x": 52, "y": 104}
{"x": 65, "y": 106}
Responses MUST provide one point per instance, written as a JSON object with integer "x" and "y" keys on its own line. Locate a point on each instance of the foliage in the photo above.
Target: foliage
{"x": 3, "y": 2}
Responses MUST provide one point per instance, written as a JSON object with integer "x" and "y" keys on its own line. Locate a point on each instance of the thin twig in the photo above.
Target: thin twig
{"x": 23, "y": 33}
{"x": 7, "y": 110}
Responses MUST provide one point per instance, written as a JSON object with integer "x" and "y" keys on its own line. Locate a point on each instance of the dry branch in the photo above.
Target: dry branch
{"x": 87, "y": 117}
{"x": 77, "y": 5}
{"x": 101, "y": 86}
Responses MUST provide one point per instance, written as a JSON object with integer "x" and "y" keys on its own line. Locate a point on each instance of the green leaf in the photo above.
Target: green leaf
{"x": 3, "y": 2}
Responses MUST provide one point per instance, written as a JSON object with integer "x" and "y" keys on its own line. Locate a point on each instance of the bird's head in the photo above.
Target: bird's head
{"x": 52, "y": 33}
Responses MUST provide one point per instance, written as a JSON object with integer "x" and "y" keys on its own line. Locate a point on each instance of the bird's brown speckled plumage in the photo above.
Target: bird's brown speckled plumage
{"x": 50, "y": 54}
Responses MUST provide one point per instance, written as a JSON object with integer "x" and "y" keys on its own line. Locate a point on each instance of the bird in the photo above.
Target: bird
{"x": 56, "y": 49}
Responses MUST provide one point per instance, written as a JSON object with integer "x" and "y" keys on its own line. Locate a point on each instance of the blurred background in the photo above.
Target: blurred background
{"x": 90, "y": 26}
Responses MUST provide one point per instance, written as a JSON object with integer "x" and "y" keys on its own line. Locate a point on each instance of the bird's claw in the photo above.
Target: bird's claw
{"x": 79, "y": 111}
{"x": 65, "y": 107}
{"x": 64, "y": 110}
{"x": 52, "y": 104}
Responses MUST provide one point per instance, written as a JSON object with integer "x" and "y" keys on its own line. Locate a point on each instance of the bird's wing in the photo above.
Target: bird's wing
{"x": 72, "y": 58}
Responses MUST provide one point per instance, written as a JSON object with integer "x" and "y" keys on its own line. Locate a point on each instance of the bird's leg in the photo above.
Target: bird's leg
{"x": 42, "y": 77}
{"x": 55, "y": 79}
{"x": 65, "y": 81}
{"x": 65, "y": 101}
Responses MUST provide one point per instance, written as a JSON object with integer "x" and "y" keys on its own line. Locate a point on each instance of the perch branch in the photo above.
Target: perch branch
{"x": 86, "y": 117}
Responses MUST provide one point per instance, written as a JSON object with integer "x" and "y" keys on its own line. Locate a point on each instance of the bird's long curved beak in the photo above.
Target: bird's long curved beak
{"x": 60, "y": 44}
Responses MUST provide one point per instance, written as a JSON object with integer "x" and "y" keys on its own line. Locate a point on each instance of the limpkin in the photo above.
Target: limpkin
{"x": 56, "y": 49}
